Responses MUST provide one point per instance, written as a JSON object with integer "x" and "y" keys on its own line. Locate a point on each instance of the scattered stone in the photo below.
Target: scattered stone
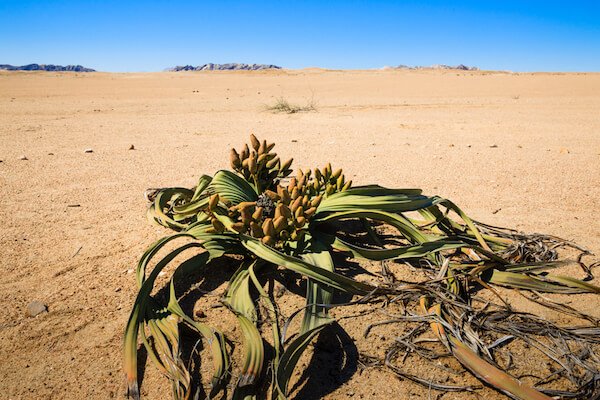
{"x": 36, "y": 308}
{"x": 50, "y": 154}
{"x": 451, "y": 145}
{"x": 23, "y": 158}
{"x": 564, "y": 150}
{"x": 117, "y": 290}
{"x": 519, "y": 146}
{"x": 200, "y": 314}
{"x": 494, "y": 146}
{"x": 88, "y": 150}
{"x": 469, "y": 146}
{"x": 132, "y": 147}
{"x": 294, "y": 141}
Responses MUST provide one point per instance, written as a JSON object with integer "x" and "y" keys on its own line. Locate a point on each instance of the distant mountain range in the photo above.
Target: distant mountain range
{"x": 436, "y": 66}
{"x": 209, "y": 67}
{"x": 224, "y": 67}
{"x": 46, "y": 67}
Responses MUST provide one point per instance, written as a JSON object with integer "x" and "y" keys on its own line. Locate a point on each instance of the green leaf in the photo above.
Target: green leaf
{"x": 404, "y": 252}
{"x": 406, "y": 228}
{"x": 324, "y": 276}
{"x": 318, "y": 295}
{"x": 232, "y": 187}
{"x": 290, "y": 358}
{"x": 542, "y": 283}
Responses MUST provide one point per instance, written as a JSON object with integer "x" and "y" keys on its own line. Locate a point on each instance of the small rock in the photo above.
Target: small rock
{"x": 564, "y": 150}
{"x": 519, "y": 146}
{"x": 132, "y": 147}
{"x": 200, "y": 314}
{"x": 23, "y": 158}
{"x": 469, "y": 146}
{"x": 36, "y": 308}
{"x": 88, "y": 150}
{"x": 294, "y": 141}
{"x": 50, "y": 154}
{"x": 117, "y": 290}
{"x": 451, "y": 145}
{"x": 494, "y": 146}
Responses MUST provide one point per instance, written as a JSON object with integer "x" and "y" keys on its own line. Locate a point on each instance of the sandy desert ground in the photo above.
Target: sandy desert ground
{"x": 517, "y": 150}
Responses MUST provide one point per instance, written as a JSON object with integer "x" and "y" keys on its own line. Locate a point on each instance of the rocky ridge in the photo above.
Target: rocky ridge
{"x": 46, "y": 67}
{"x": 224, "y": 67}
{"x": 460, "y": 67}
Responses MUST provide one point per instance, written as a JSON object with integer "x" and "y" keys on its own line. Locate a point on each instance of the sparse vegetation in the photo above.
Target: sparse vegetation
{"x": 281, "y": 105}
{"x": 265, "y": 222}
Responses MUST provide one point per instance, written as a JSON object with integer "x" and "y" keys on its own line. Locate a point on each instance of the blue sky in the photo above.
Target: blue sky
{"x": 150, "y": 36}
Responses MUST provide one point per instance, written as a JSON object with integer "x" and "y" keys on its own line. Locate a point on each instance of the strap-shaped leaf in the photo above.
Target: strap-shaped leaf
{"x": 318, "y": 295}
{"x": 542, "y": 283}
{"x": 406, "y": 228}
{"x": 404, "y": 252}
{"x": 394, "y": 202}
{"x": 326, "y": 277}
{"x": 232, "y": 187}
{"x": 290, "y": 358}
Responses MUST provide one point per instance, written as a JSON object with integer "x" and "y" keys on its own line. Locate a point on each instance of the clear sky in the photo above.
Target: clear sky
{"x": 150, "y": 36}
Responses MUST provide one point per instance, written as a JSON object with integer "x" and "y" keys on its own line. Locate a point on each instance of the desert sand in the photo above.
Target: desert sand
{"x": 516, "y": 150}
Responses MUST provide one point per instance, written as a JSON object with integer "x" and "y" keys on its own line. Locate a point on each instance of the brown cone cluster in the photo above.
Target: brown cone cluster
{"x": 258, "y": 164}
{"x": 282, "y": 212}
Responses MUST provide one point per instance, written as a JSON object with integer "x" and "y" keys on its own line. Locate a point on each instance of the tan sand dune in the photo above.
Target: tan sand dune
{"x": 517, "y": 150}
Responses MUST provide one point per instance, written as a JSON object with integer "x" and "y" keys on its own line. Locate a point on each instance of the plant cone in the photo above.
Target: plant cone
{"x": 287, "y": 164}
{"x": 256, "y": 230}
{"x": 280, "y": 223}
{"x": 296, "y": 204}
{"x": 245, "y": 152}
{"x": 268, "y": 240}
{"x": 272, "y": 195}
{"x": 318, "y": 174}
{"x": 305, "y": 201}
{"x": 252, "y": 163}
{"x": 316, "y": 201}
{"x": 234, "y": 159}
{"x": 292, "y": 185}
{"x": 340, "y": 182}
{"x": 310, "y": 212}
{"x": 218, "y": 225}
{"x": 254, "y": 141}
{"x": 213, "y": 202}
{"x": 268, "y": 227}
{"x": 238, "y": 227}
{"x": 295, "y": 193}
{"x": 272, "y": 163}
{"x": 262, "y": 149}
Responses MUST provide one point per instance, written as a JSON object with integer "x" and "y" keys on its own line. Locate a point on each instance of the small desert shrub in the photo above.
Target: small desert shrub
{"x": 281, "y": 105}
